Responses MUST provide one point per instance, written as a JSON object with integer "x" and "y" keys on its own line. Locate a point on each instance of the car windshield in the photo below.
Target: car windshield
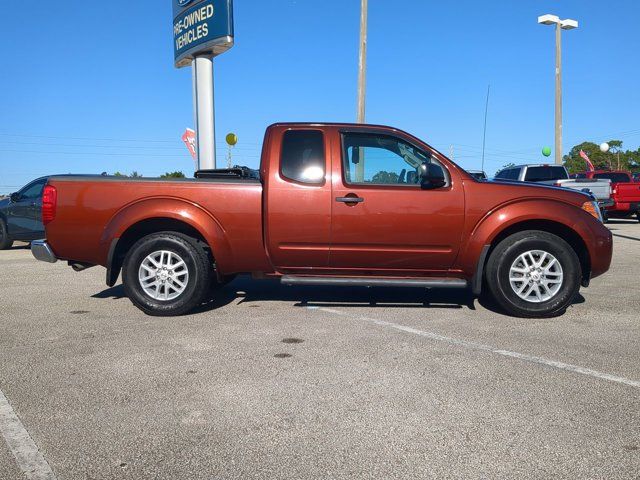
{"x": 614, "y": 177}
{"x": 545, "y": 173}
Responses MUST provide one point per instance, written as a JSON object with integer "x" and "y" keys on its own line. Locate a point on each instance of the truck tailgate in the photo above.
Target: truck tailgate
{"x": 627, "y": 192}
{"x": 601, "y": 189}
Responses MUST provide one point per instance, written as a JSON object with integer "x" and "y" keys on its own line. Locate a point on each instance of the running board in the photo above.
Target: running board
{"x": 427, "y": 282}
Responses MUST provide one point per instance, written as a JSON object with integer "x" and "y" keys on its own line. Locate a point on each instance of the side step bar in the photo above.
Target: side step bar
{"x": 427, "y": 282}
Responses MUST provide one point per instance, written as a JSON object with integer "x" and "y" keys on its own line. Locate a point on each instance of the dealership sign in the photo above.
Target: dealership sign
{"x": 201, "y": 27}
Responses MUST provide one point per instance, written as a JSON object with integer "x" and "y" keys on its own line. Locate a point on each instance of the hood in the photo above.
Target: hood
{"x": 4, "y": 203}
{"x": 548, "y": 191}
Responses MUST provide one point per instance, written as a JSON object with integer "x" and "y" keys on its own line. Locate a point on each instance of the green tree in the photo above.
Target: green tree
{"x": 385, "y": 177}
{"x": 135, "y": 174}
{"x": 176, "y": 174}
{"x": 628, "y": 160}
{"x": 508, "y": 165}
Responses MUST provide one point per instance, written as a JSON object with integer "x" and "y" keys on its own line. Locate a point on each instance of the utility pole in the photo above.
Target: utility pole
{"x": 484, "y": 134}
{"x": 362, "y": 61}
{"x": 362, "y": 82}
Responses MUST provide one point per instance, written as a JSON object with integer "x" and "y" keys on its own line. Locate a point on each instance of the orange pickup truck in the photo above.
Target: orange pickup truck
{"x": 333, "y": 204}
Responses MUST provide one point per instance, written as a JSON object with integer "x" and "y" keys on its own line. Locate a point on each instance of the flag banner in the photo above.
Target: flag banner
{"x": 189, "y": 139}
{"x": 590, "y": 167}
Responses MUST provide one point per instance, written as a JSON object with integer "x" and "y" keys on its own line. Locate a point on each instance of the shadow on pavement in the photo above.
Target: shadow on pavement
{"x": 246, "y": 290}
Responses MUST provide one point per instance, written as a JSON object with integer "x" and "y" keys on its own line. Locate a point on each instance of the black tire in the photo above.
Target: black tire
{"x": 5, "y": 242}
{"x": 638, "y": 216}
{"x": 197, "y": 262}
{"x": 505, "y": 254}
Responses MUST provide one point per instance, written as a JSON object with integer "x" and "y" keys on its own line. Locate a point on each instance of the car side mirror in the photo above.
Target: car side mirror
{"x": 431, "y": 176}
{"x": 15, "y": 197}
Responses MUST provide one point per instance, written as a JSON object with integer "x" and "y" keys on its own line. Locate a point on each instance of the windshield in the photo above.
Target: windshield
{"x": 614, "y": 177}
{"x": 545, "y": 173}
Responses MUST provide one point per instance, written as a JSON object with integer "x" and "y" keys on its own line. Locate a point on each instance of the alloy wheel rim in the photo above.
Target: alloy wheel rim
{"x": 163, "y": 275}
{"x": 536, "y": 276}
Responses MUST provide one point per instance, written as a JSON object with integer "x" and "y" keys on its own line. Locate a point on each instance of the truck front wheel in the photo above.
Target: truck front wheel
{"x": 533, "y": 274}
{"x": 166, "y": 274}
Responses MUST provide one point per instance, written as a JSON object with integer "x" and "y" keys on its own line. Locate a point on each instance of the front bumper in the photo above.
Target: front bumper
{"x": 42, "y": 251}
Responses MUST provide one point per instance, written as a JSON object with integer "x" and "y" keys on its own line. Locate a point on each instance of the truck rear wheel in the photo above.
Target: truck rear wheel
{"x": 533, "y": 274}
{"x": 166, "y": 274}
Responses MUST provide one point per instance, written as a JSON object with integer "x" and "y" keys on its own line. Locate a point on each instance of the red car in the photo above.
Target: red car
{"x": 625, "y": 192}
{"x": 334, "y": 204}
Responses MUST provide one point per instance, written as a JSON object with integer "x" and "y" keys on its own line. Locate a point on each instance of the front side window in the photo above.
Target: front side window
{"x": 302, "y": 158}
{"x": 380, "y": 160}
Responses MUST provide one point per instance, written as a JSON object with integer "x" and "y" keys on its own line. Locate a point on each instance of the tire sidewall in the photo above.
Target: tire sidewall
{"x": 571, "y": 270}
{"x": 5, "y": 241}
{"x": 188, "y": 251}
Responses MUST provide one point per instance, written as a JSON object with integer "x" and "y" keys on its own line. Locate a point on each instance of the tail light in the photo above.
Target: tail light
{"x": 49, "y": 201}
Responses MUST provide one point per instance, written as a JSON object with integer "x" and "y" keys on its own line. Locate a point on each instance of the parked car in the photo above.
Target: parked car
{"x": 335, "y": 204}
{"x": 20, "y": 217}
{"x": 557, "y": 175}
{"x": 477, "y": 174}
{"x": 625, "y": 192}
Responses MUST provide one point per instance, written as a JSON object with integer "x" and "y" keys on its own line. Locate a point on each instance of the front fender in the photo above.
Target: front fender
{"x": 520, "y": 212}
{"x": 181, "y": 210}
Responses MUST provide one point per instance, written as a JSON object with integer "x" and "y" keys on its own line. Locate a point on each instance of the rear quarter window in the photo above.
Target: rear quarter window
{"x": 545, "y": 173}
{"x": 302, "y": 157}
{"x": 614, "y": 177}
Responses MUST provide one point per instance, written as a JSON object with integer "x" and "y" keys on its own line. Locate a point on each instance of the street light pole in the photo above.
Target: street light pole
{"x": 558, "y": 115}
{"x": 560, "y": 25}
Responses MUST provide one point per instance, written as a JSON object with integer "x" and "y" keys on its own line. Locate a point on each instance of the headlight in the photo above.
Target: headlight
{"x": 593, "y": 208}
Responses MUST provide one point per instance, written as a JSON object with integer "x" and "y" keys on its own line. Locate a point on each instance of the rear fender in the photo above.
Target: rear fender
{"x": 168, "y": 208}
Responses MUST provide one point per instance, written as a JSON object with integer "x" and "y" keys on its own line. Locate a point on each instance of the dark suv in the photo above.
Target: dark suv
{"x": 20, "y": 215}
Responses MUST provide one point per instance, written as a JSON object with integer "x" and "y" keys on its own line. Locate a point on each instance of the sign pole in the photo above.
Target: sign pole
{"x": 202, "y": 66}
{"x": 202, "y": 30}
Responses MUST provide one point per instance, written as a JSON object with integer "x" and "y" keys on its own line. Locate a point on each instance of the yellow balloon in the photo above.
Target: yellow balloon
{"x": 232, "y": 139}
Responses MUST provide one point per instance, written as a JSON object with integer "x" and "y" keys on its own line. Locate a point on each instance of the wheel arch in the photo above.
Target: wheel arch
{"x": 521, "y": 216}
{"x": 157, "y": 215}
{"x": 561, "y": 230}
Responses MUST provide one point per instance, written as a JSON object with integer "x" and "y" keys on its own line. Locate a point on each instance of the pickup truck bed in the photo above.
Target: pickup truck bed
{"x": 336, "y": 204}
{"x": 119, "y": 203}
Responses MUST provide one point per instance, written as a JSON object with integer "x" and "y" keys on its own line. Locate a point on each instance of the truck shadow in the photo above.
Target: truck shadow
{"x": 245, "y": 290}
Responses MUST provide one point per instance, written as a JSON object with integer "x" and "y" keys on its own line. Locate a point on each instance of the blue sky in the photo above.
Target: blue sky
{"x": 90, "y": 86}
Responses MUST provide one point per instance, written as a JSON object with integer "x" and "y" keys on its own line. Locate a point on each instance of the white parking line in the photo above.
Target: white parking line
{"x": 488, "y": 348}
{"x": 22, "y": 446}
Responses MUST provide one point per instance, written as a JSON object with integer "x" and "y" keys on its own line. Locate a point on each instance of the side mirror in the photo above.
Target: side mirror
{"x": 431, "y": 176}
{"x": 15, "y": 197}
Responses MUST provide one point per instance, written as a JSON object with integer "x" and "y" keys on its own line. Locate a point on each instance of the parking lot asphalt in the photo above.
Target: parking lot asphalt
{"x": 272, "y": 382}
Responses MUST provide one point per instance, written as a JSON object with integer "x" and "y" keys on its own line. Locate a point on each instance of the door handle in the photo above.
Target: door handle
{"x": 353, "y": 199}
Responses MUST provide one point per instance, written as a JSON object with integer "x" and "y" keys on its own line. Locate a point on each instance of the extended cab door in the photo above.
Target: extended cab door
{"x": 382, "y": 220}
{"x": 297, "y": 198}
